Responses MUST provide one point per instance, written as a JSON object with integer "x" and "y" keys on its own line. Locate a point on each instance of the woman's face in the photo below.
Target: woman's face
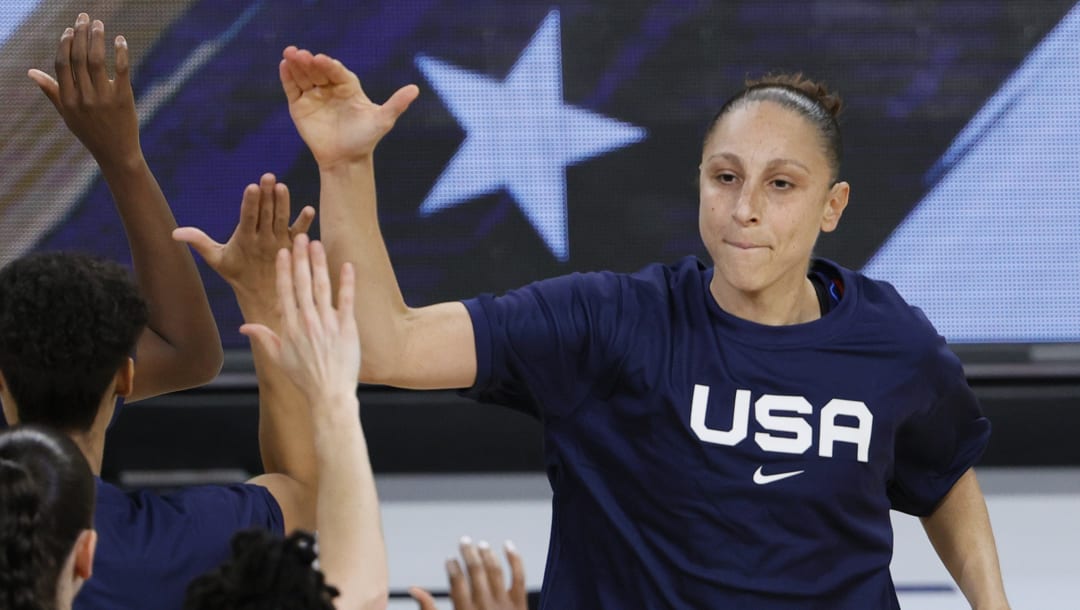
{"x": 766, "y": 190}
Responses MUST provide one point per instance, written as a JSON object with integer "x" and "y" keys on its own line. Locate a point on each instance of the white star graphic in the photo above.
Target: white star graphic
{"x": 520, "y": 135}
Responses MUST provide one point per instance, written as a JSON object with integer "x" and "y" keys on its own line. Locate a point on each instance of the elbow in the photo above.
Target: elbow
{"x": 199, "y": 366}
{"x": 371, "y": 373}
{"x": 207, "y": 365}
{"x": 377, "y": 599}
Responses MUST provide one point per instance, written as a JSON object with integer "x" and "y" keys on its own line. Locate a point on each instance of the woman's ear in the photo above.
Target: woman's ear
{"x": 85, "y": 546}
{"x": 834, "y": 207}
{"x": 125, "y": 378}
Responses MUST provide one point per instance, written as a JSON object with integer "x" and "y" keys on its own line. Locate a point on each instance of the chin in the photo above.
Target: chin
{"x": 742, "y": 277}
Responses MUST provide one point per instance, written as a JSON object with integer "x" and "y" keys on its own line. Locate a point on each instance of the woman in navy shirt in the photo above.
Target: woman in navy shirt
{"x": 731, "y": 436}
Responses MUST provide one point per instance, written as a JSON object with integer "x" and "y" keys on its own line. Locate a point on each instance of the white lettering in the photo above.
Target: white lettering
{"x": 831, "y": 432}
{"x": 700, "y": 406}
{"x": 786, "y": 428}
{"x": 765, "y": 411}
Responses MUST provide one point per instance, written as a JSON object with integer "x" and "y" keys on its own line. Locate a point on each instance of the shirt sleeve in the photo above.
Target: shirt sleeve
{"x": 225, "y": 509}
{"x": 937, "y": 445}
{"x": 545, "y": 348}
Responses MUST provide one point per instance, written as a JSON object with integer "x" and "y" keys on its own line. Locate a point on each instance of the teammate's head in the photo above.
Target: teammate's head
{"x": 46, "y": 515}
{"x": 266, "y": 572}
{"x": 68, "y": 327}
{"x": 768, "y": 180}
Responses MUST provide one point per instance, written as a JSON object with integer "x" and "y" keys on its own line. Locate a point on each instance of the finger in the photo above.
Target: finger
{"x": 459, "y": 587}
{"x": 265, "y": 338}
{"x": 65, "y": 78}
{"x": 320, "y": 279}
{"x": 318, "y": 75}
{"x": 123, "y": 65}
{"x": 400, "y": 101}
{"x": 478, "y": 581}
{"x": 288, "y": 83}
{"x": 305, "y": 302}
{"x": 199, "y": 241}
{"x": 303, "y": 221}
{"x": 281, "y": 209}
{"x": 79, "y": 51}
{"x": 299, "y": 69}
{"x": 426, "y": 601}
{"x": 99, "y": 76}
{"x": 492, "y": 569}
{"x": 249, "y": 210}
{"x": 47, "y": 84}
{"x": 266, "y": 203}
{"x": 518, "y": 593}
{"x": 285, "y": 292}
{"x": 333, "y": 71}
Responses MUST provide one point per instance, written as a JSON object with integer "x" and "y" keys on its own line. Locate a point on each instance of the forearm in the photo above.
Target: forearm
{"x": 352, "y": 550}
{"x": 350, "y": 232}
{"x": 286, "y": 436}
{"x": 960, "y": 532}
{"x": 184, "y": 333}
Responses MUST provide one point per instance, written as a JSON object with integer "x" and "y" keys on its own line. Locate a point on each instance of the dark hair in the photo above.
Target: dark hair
{"x": 266, "y": 572}
{"x": 811, "y": 99}
{"x": 47, "y": 495}
{"x": 68, "y": 322}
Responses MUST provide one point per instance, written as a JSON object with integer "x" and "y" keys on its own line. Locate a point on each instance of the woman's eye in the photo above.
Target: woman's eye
{"x": 782, "y": 184}
{"x": 726, "y": 178}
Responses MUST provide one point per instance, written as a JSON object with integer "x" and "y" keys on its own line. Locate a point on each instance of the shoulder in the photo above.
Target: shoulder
{"x": 895, "y": 321}
{"x": 225, "y": 507}
{"x": 601, "y": 290}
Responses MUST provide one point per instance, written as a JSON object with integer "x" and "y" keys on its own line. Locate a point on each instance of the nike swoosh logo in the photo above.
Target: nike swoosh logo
{"x": 761, "y": 478}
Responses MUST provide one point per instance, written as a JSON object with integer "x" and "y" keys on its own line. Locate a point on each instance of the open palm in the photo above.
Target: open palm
{"x": 334, "y": 116}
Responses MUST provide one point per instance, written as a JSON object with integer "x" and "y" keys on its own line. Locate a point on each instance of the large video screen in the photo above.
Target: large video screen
{"x": 560, "y": 136}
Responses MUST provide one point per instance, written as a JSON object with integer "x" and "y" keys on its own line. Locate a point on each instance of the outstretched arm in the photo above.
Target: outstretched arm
{"x": 320, "y": 350}
{"x": 959, "y": 529}
{"x": 428, "y": 347}
{"x": 180, "y": 347}
{"x": 247, "y": 263}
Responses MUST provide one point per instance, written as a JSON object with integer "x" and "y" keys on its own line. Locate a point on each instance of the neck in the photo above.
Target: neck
{"x": 92, "y": 444}
{"x": 787, "y": 302}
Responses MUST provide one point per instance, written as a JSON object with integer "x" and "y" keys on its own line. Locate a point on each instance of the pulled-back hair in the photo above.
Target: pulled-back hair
{"x": 47, "y": 496}
{"x": 68, "y": 322}
{"x": 811, "y": 99}
{"x": 265, "y": 572}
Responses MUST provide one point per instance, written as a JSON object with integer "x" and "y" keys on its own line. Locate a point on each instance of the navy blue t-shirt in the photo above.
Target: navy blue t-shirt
{"x": 151, "y": 546}
{"x": 699, "y": 460}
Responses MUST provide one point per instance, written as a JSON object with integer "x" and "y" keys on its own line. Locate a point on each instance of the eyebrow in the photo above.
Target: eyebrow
{"x": 772, "y": 163}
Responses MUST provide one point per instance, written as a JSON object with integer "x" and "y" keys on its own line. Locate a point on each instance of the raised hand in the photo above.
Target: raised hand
{"x": 318, "y": 347}
{"x": 482, "y": 585}
{"x": 331, "y": 111}
{"x": 100, "y": 111}
{"x": 247, "y": 260}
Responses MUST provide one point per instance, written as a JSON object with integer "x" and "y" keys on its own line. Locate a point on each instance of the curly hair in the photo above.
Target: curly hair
{"x": 266, "y": 572}
{"x": 47, "y": 496}
{"x": 811, "y": 99}
{"x": 68, "y": 322}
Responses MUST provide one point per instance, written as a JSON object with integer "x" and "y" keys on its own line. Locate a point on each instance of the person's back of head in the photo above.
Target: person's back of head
{"x": 47, "y": 495}
{"x": 265, "y": 572}
{"x": 68, "y": 323}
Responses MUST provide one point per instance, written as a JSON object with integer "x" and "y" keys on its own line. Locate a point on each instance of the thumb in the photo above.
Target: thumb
{"x": 200, "y": 242}
{"x": 265, "y": 338}
{"x": 303, "y": 221}
{"x": 400, "y": 101}
{"x": 47, "y": 84}
{"x": 426, "y": 601}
